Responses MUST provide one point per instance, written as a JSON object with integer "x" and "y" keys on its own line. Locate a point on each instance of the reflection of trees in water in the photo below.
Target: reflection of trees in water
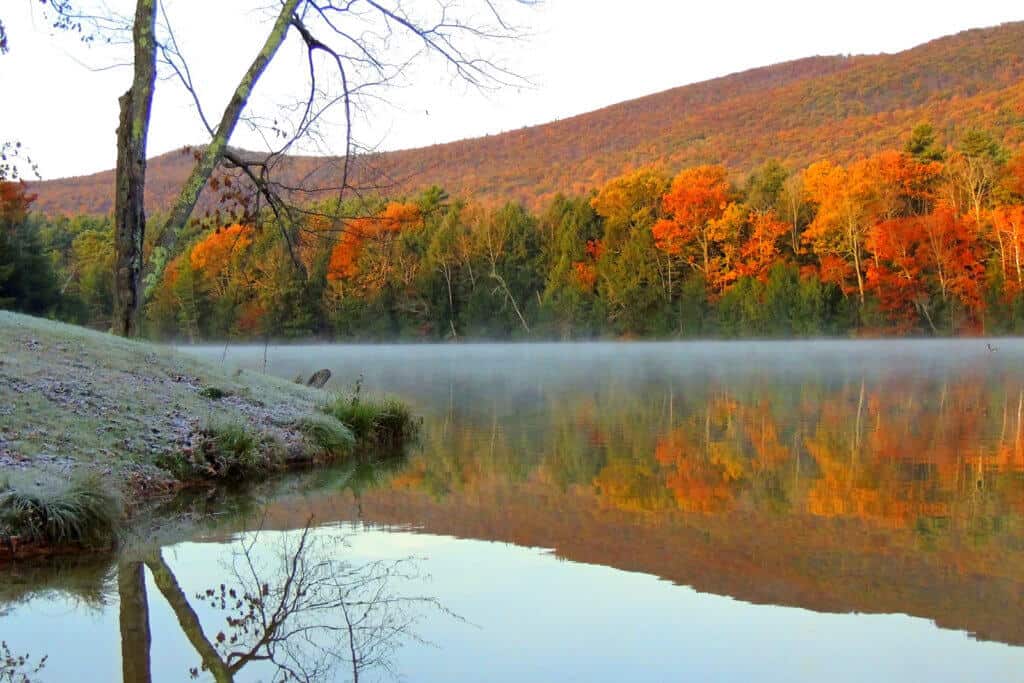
{"x": 134, "y": 622}
{"x": 85, "y": 582}
{"x": 894, "y": 451}
{"x": 939, "y": 450}
{"x": 297, "y": 609}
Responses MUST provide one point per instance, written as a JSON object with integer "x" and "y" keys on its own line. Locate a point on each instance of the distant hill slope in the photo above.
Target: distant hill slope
{"x": 836, "y": 107}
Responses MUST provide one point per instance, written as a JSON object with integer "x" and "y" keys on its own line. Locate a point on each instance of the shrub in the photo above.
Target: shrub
{"x": 83, "y": 512}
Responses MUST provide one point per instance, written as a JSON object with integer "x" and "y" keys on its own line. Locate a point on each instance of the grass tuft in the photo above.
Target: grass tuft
{"x": 327, "y": 435}
{"x": 236, "y": 451}
{"x": 214, "y": 393}
{"x": 83, "y": 512}
{"x": 230, "y": 449}
{"x": 233, "y": 439}
{"x": 385, "y": 423}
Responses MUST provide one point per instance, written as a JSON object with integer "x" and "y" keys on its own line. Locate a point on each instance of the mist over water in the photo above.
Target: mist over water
{"x": 406, "y": 367}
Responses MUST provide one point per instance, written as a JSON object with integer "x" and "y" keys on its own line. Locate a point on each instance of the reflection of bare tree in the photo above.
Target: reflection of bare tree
{"x": 17, "y": 668}
{"x": 297, "y": 609}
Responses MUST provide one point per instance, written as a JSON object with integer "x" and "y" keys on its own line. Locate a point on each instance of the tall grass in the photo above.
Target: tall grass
{"x": 83, "y": 512}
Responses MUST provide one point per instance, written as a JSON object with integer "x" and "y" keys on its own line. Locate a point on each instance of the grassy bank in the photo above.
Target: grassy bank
{"x": 87, "y": 417}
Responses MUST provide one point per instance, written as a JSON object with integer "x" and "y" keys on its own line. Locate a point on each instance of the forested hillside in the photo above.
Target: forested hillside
{"x": 799, "y": 112}
{"x": 832, "y": 196}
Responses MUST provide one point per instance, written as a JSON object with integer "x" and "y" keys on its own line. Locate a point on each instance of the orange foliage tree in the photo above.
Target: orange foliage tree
{"x": 846, "y": 205}
{"x": 701, "y": 222}
{"x": 215, "y": 254}
{"x": 954, "y": 256}
{"x": 852, "y": 200}
{"x": 14, "y": 202}
{"x": 586, "y": 270}
{"x": 381, "y": 229}
{"x": 895, "y": 273}
{"x": 761, "y": 250}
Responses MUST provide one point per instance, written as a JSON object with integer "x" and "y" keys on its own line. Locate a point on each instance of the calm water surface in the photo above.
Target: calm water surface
{"x": 789, "y": 511}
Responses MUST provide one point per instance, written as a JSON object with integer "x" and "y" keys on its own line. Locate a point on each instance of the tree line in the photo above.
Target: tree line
{"x": 926, "y": 239}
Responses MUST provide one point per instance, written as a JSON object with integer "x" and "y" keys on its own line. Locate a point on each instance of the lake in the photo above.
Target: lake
{"x": 781, "y": 511}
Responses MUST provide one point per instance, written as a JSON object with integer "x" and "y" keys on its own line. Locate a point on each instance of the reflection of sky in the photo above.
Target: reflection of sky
{"x": 533, "y": 617}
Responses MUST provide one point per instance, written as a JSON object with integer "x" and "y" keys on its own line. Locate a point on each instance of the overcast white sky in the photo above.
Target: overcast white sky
{"x": 582, "y": 55}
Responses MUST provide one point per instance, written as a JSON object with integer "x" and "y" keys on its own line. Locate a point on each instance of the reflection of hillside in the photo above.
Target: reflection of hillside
{"x": 830, "y": 565}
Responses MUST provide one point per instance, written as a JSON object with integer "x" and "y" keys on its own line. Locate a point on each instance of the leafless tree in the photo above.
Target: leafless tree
{"x": 351, "y": 50}
{"x": 14, "y": 162}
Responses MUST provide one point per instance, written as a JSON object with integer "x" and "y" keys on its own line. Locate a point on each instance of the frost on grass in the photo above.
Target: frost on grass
{"x": 74, "y": 399}
{"x": 146, "y": 416}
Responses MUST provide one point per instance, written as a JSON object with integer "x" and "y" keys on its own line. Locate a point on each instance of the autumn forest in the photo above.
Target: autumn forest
{"x": 925, "y": 239}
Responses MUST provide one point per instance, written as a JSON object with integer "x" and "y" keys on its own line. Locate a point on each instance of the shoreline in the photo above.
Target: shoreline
{"x": 144, "y": 422}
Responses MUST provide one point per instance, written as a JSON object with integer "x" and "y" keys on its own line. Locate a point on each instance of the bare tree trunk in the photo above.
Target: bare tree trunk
{"x": 129, "y": 199}
{"x": 508, "y": 293}
{"x": 135, "y": 635}
{"x": 923, "y": 308}
{"x": 707, "y": 258}
{"x": 855, "y": 250}
{"x": 451, "y": 299}
{"x": 936, "y": 248}
{"x": 136, "y": 106}
{"x": 1016, "y": 255}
